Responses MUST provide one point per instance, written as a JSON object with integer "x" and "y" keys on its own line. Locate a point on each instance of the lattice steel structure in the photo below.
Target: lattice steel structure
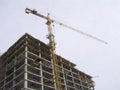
{"x": 27, "y": 65}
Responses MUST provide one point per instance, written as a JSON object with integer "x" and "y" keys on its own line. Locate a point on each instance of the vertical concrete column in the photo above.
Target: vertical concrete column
{"x": 72, "y": 75}
{"x": 64, "y": 75}
{"x": 41, "y": 72}
{"x": 5, "y": 73}
{"x": 25, "y": 67}
{"x": 80, "y": 79}
{"x": 14, "y": 72}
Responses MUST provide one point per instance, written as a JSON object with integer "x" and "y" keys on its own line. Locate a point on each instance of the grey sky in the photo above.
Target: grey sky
{"x": 100, "y": 18}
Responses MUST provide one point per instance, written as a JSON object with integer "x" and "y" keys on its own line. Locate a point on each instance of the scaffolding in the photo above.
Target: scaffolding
{"x": 27, "y": 65}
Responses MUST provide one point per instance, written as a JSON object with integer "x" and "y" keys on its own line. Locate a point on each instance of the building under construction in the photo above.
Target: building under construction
{"x": 27, "y": 65}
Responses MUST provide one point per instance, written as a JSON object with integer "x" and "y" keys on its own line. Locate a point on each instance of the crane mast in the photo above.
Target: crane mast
{"x": 52, "y": 45}
{"x": 53, "y": 54}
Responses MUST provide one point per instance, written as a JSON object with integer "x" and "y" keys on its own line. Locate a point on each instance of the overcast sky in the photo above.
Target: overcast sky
{"x": 100, "y": 18}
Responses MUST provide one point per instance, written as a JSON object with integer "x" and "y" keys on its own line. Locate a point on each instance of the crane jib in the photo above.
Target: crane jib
{"x": 27, "y": 10}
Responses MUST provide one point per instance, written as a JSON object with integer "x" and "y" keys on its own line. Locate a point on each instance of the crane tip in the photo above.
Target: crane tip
{"x": 27, "y": 10}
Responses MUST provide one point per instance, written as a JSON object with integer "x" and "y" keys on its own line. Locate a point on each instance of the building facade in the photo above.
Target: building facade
{"x": 27, "y": 65}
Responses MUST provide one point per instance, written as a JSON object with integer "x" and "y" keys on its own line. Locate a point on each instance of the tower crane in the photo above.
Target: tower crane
{"x": 52, "y": 42}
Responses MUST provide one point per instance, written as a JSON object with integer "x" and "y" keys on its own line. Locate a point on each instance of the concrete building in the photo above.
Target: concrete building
{"x": 27, "y": 65}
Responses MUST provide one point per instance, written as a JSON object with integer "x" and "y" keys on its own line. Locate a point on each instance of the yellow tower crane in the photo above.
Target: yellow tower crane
{"x": 52, "y": 43}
